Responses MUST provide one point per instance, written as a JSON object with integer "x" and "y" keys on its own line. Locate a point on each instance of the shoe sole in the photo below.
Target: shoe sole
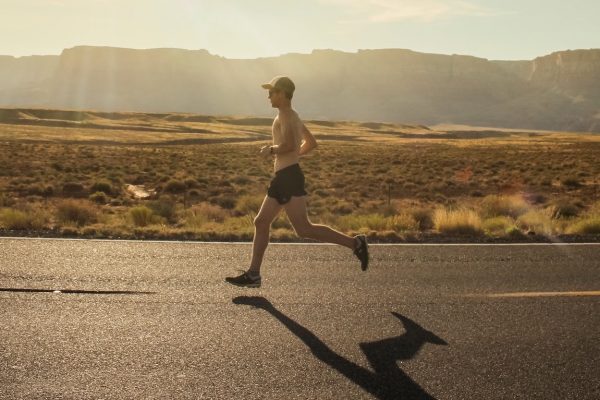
{"x": 248, "y": 285}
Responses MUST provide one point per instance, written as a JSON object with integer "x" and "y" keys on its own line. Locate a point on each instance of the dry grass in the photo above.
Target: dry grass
{"x": 360, "y": 179}
{"x": 461, "y": 221}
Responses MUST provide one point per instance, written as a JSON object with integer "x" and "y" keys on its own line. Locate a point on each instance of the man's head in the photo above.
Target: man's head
{"x": 281, "y": 90}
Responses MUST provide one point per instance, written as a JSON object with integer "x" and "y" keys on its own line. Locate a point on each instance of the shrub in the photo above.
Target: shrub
{"x": 224, "y": 201}
{"x": 102, "y": 186}
{"x": 356, "y": 222}
{"x": 564, "y": 209}
{"x": 6, "y": 201}
{"x": 509, "y": 206}
{"x": 73, "y": 189}
{"x": 589, "y": 225}
{"x": 461, "y": 221}
{"x": 22, "y": 220}
{"x": 48, "y": 191}
{"x": 248, "y": 204}
{"x": 141, "y": 216}
{"x": 571, "y": 182}
{"x": 536, "y": 221}
{"x": 498, "y": 225}
{"x": 99, "y": 198}
{"x": 200, "y": 214}
{"x": 78, "y": 212}
{"x": 402, "y": 222}
{"x": 35, "y": 190}
{"x": 165, "y": 207}
{"x": 175, "y": 186}
{"x": 423, "y": 216}
{"x": 190, "y": 183}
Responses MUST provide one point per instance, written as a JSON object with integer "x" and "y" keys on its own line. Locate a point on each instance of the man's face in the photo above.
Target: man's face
{"x": 275, "y": 97}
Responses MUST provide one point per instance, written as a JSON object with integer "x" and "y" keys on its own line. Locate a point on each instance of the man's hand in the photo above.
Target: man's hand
{"x": 265, "y": 151}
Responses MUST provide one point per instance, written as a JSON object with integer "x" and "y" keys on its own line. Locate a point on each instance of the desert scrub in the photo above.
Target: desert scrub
{"x": 537, "y": 221}
{"x": 175, "y": 186}
{"x": 587, "y": 225}
{"x": 248, "y": 204}
{"x": 498, "y": 226}
{"x": 508, "y": 206}
{"x": 164, "y": 207}
{"x": 23, "y": 219}
{"x": 143, "y": 216}
{"x": 564, "y": 209}
{"x": 103, "y": 186}
{"x": 377, "y": 222}
{"x": 99, "y": 198}
{"x": 200, "y": 214}
{"x": 461, "y": 221}
{"x": 73, "y": 189}
{"x": 76, "y": 212}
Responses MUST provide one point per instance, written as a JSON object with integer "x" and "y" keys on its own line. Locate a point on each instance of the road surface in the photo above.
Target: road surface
{"x": 154, "y": 320}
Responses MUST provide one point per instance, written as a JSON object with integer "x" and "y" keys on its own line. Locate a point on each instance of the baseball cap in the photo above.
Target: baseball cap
{"x": 282, "y": 83}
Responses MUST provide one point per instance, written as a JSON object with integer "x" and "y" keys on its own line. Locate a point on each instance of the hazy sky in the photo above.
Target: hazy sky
{"x": 494, "y": 29}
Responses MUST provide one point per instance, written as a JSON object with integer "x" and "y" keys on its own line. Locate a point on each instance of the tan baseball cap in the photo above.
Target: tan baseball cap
{"x": 282, "y": 83}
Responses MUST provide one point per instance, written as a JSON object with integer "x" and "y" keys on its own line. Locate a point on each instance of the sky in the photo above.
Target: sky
{"x": 493, "y": 29}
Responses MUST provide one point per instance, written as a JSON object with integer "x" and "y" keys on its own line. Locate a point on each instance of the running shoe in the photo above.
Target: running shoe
{"x": 244, "y": 280}
{"x": 362, "y": 251}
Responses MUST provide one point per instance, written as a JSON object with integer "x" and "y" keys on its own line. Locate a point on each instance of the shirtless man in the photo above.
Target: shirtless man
{"x": 291, "y": 139}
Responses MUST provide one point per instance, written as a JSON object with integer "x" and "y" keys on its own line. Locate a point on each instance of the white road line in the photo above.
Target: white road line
{"x": 537, "y": 294}
{"x": 302, "y": 244}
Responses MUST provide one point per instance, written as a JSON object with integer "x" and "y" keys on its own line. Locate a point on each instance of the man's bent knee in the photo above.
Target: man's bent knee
{"x": 261, "y": 223}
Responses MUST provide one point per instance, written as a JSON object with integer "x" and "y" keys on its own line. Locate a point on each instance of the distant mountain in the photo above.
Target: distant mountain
{"x": 558, "y": 91}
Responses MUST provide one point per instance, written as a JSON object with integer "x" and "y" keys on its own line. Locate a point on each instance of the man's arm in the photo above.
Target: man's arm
{"x": 309, "y": 143}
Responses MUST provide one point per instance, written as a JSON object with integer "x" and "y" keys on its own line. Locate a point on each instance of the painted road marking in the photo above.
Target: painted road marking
{"x": 538, "y": 294}
{"x": 6, "y": 238}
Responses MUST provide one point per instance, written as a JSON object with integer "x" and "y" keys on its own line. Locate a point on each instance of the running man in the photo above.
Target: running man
{"x": 291, "y": 139}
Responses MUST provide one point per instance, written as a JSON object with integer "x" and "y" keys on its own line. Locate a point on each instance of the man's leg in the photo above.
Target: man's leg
{"x": 296, "y": 212}
{"x": 262, "y": 224}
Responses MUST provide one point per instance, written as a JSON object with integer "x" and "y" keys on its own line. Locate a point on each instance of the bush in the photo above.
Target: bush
{"x": 203, "y": 213}
{"x": 78, "y": 212}
{"x": 571, "y": 182}
{"x": 22, "y": 220}
{"x": 498, "y": 225}
{"x": 462, "y": 221}
{"x": 99, "y": 198}
{"x": 564, "y": 209}
{"x": 509, "y": 206}
{"x": 102, "y": 186}
{"x": 402, "y": 222}
{"x": 248, "y": 204}
{"x": 142, "y": 216}
{"x": 165, "y": 207}
{"x": 423, "y": 216}
{"x": 175, "y": 186}
{"x": 190, "y": 183}
{"x": 74, "y": 189}
{"x": 6, "y": 201}
{"x": 224, "y": 201}
{"x": 589, "y": 225}
{"x": 536, "y": 221}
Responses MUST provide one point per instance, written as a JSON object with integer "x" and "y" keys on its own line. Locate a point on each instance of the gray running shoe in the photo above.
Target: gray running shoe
{"x": 244, "y": 280}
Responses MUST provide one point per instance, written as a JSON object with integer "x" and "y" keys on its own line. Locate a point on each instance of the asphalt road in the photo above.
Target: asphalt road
{"x": 150, "y": 320}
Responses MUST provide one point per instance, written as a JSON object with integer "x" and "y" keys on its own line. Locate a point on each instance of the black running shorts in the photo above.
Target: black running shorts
{"x": 288, "y": 182}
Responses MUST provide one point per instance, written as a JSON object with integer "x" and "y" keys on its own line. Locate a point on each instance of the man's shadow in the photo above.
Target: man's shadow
{"x": 387, "y": 381}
